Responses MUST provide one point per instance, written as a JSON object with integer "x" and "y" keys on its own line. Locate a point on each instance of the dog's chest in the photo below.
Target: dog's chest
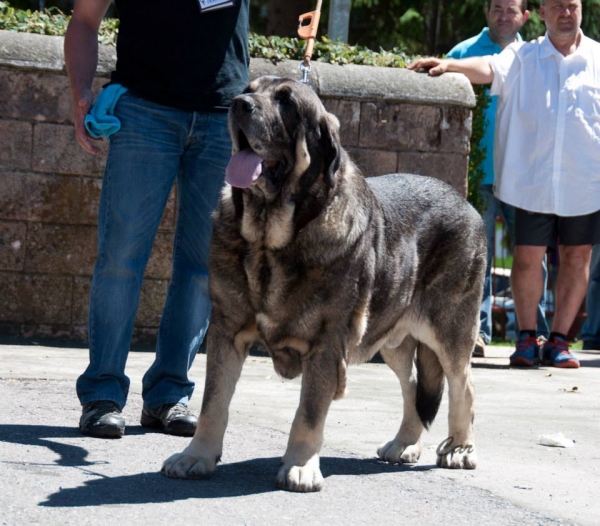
{"x": 268, "y": 279}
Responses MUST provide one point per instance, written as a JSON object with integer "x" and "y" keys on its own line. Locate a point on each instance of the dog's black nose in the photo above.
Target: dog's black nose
{"x": 243, "y": 103}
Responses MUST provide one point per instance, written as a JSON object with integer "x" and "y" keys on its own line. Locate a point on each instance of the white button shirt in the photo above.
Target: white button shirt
{"x": 547, "y": 147}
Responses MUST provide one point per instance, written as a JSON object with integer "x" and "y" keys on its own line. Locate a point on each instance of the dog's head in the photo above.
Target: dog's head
{"x": 282, "y": 124}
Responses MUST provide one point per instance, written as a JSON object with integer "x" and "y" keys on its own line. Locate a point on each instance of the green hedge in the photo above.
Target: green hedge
{"x": 53, "y": 22}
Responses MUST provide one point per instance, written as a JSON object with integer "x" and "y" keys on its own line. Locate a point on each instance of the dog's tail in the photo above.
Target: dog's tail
{"x": 430, "y": 384}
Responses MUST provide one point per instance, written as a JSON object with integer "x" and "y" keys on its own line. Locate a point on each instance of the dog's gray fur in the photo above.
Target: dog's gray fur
{"x": 325, "y": 268}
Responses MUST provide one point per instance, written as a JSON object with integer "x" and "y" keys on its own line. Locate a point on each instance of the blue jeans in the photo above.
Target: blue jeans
{"x": 155, "y": 146}
{"x": 495, "y": 208}
{"x": 590, "y": 331}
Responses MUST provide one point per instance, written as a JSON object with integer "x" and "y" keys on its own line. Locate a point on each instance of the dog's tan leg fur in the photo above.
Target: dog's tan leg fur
{"x": 300, "y": 470}
{"x": 223, "y": 369}
{"x": 458, "y": 450}
{"x": 406, "y": 447}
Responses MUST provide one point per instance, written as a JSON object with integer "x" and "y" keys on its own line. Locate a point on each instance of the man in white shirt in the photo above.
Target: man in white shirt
{"x": 547, "y": 161}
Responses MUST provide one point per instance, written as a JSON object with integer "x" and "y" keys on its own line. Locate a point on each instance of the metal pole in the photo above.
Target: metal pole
{"x": 339, "y": 20}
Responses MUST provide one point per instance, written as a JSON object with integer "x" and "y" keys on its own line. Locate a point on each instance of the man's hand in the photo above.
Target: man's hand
{"x": 477, "y": 69}
{"x": 81, "y": 106}
{"x": 433, "y": 66}
{"x": 81, "y": 59}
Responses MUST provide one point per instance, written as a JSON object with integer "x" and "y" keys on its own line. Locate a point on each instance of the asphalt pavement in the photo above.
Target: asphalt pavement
{"x": 51, "y": 474}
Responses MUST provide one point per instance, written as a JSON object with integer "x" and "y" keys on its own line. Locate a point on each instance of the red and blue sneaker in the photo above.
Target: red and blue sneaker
{"x": 556, "y": 352}
{"x": 527, "y": 352}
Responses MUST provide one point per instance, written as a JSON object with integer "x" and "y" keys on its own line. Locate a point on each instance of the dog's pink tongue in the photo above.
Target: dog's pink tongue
{"x": 243, "y": 169}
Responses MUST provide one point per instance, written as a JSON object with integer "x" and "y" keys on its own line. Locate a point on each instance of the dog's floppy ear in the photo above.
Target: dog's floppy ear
{"x": 330, "y": 146}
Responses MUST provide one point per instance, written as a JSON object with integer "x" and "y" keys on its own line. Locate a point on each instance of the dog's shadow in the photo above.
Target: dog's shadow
{"x": 248, "y": 477}
{"x": 236, "y": 479}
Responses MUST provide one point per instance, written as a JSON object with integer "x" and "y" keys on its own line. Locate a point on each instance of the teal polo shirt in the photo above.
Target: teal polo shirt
{"x": 479, "y": 46}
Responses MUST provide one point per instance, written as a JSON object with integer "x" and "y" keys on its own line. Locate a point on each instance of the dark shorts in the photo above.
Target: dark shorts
{"x": 549, "y": 230}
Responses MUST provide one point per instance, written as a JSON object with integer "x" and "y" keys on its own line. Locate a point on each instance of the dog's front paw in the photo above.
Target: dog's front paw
{"x": 301, "y": 478}
{"x": 459, "y": 456}
{"x": 397, "y": 452}
{"x": 186, "y": 466}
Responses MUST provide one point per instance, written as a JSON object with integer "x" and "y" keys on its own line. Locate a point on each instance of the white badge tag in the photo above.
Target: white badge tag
{"x": 213, "y": 5}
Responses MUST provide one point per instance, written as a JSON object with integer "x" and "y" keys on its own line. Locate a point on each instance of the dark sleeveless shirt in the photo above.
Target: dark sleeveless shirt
{"x": 170, "y": 53}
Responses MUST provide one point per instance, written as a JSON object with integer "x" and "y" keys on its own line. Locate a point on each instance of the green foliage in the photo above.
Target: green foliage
{"x": 51, "y": 21}
{"x": 478, "y": 153}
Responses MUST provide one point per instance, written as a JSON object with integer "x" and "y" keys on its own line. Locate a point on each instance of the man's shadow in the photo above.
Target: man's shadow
{"x": 234, "y": 479}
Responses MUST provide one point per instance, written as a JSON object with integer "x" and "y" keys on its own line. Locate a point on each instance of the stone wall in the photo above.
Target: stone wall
{"x": 392, "y": 120}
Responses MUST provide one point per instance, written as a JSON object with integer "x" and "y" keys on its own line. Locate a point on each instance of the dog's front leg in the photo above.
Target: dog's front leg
{"x": 223, "y": 368}
{"x": 300, "y": 470}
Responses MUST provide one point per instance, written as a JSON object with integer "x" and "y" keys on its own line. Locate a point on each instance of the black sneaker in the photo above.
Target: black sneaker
{"x": 102, "y": 419}
{"x": 174, "y": 419}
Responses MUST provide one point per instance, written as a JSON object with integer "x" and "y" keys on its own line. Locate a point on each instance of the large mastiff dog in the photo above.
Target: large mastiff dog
{"x": 325, "y": 268}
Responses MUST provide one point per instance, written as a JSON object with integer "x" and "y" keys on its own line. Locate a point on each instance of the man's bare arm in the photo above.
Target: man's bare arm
{"x": 81, "y": 59}
{"x": 476, "y": 69}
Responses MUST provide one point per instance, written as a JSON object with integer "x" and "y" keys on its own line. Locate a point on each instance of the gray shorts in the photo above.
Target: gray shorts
{"x": 549, "y": 230}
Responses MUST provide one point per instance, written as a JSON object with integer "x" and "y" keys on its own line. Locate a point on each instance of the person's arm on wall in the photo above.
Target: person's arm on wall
{"x": 81, "y": 59}
{"x": 477, "y": 69}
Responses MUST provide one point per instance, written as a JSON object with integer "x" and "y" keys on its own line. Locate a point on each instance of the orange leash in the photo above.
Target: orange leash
{"x": 308, "y": 24}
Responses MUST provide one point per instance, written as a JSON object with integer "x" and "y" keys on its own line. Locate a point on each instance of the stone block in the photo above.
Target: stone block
{"x": 55, "y": 150}
{"x": 170, "y": 214}
{"x": 359, "y": 82}
{"x": 91, "y": 189}
{"x": 81, "y": 300}
{"x": 35, "y": 96}
{"x": 45, "y": 333}
{"x": 450, "y": 168}
{"x": 15, "y": 145}
{"x": 12, "y": 245}
{"x": 35, "y": 298}
{"x": 144, "y": 338}
{"x": 90, "y": 202}
{"x": 348, "y": 113}
{"x": 39, "y": 197}
{"x": 38, "y": 95}
{"x": 374, "y": 162}
{"x": 400, "y": 127}
{"x": 160, "y": 263}
{"x": 152, "y": 300}
{"x": 61, "y": 249}
{"x": 30, "y": 50}
{"x": 456, "y": 129}
{"x": 10, "y": 330}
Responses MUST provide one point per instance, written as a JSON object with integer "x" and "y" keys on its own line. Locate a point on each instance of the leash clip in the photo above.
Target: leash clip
{"x": 308, "y": 24}
{"x": 305, "y": 71}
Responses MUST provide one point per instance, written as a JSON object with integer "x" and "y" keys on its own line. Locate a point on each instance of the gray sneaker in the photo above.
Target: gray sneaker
{"x": 174, "y": 419}
{"x": 479, "y": 350}
{"x": 102, "y": 419}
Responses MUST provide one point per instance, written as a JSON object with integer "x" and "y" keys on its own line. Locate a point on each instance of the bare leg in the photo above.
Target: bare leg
{"x": 571, "y": 285}
{"x": 527, "y": 283}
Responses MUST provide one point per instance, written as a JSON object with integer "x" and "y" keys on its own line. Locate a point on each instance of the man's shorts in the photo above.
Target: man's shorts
{"x": 549, "y": 230}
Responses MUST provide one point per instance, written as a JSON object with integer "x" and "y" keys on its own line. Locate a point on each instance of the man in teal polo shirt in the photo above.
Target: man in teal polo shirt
{"x": 505, "y": 18}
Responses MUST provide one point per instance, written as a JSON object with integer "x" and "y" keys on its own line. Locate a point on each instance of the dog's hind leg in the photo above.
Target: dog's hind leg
{"x": 406, "y": 447}
{"x": 458, "y": 450}
{"x": 320, "y": 379}
{"x": 224, "y": 361}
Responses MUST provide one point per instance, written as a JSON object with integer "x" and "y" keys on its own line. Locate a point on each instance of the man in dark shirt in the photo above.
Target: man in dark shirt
{"x": 178, "y": 68}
